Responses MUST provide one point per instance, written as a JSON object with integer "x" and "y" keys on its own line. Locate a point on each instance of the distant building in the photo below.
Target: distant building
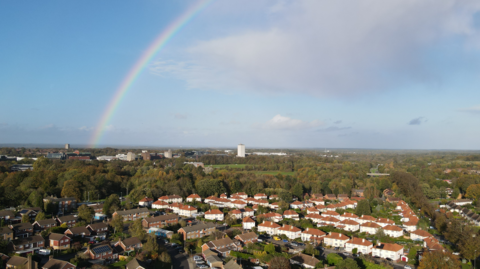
{"x": 196, "y": 164}
{"x": 67, "y": 146}
{"x": 168, "y": 154}
{"x": 241, "y": 150}
{"x": 131, "y": 156}
{"x": 58, "y": 156}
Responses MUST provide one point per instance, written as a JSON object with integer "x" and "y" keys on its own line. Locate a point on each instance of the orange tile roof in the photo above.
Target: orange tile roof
{"x": 392, "y": 228}
{"x": 389, "y": 247}
{"x": 359, "y": 241}
{"x": 339, "y": 236}
{"x": 289, "y": 228}
{"x": 269, "y": 224}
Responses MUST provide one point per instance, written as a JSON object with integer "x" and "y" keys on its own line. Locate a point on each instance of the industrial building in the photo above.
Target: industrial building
{"x": 241, "y": 150}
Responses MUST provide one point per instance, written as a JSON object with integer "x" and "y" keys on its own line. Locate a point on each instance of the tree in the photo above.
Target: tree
{"x": 285, "y": 196}
{"x": 297, "y": 190}
{"x": 363, "y": 208}
{"x": 151, "y": 244}
{"x": 473, "y": 192}
{"x": 136, "y": 229}
{"x": 412, "y": 255}
{"x": 334, "y": 259}
{"x": 347, "y": 264}
{"x": 469, "y": 243}
{"x": 270, "y": 248}
{"x": 72, "y": 188}
{"x": 439, "y": 260}
{"x": 354, "y": 251}
{"x": 106, "y": 207}
{"x": 25, "y": 218}
{"x": 279, "y": 263}
{"x": 40, "y": 216}
{"x": 86, "y": 212}
{"x": 182, "y": 223}
{"x": 166, "y": 260}
{"x": 455, "y": 193}
{"x": 117, "y": 223}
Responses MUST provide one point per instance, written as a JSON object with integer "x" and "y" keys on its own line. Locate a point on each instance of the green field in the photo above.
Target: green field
{"x": 273, "y": 173}
{"x": 225, "y": 165}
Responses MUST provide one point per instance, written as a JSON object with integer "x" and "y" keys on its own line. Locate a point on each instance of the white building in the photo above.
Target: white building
{"x": 194, "y": 198}
{"x": 420, "y": 235}
{"x": 248, "y": 223}
{"x": 159, "y": 205}
{"x": 361, "y": 244}
{"x": 241, "y": 150}
{"x": 187, "y": 210}
{"x": 369, "y": 227}
{"x": 131, "y": 156}
{"x": 336, "y": 240}
{"x": 168, "y": 154}
{"x": 290, "y": 231}
{"x": 313, "y": 235}
{"x": 268, "y": 227}
{"x": 214, "y": 214}
{"x": 387, "y": 250}
{"x": 393, "y": 231}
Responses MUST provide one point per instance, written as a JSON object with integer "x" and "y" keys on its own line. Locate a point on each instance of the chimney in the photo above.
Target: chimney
{"x": 363, "y": 240}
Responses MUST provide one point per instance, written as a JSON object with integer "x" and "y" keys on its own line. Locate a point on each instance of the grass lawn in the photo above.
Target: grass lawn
{"x": 119, "y": 264}
{"x": 225, "y": 165}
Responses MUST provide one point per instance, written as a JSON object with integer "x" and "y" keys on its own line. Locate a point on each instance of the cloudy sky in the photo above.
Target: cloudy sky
{"x": 346, "y": 74}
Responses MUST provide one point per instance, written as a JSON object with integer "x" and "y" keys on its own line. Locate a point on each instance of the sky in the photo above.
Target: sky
{"x": 399, "y": 74}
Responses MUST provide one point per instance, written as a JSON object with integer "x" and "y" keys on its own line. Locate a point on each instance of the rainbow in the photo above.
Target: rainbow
{"x": 141, "y": 63}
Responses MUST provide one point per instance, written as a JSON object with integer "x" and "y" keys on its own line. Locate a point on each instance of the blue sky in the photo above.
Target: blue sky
{"x": 335, "y": 74}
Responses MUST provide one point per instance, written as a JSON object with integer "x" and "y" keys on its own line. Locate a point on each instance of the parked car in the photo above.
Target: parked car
{"x": 346, "y": 253}
{"x": 285, "y": 240}
{"x": 276, "y": 238}
{"x": 92, "y": 242}
{"x": 44, "y": 251}
{"x": 336, "y": 248}
{"x": 197, "y": 258}
{"x": 199, "y": 262}
{"x": 260, "y": 240}
{"x": 407, "y": 267}
{"x": 295, "y": 244}
{"x": 300, "y": 244}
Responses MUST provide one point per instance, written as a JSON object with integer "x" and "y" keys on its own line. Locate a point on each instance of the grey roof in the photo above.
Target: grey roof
{"x": 46, "y": 222}
{"x": 79, "y": 230}
{"x": 5, "y": 230}
{"x": 7, "y": 213}
{"x": 132, "y": 211}
{"x": 134, "y": 264}
{"x": 232, "y": 264}
{"x": 28, "y": 240}
{"x": 213, "y": 258}
{"x": 17, "y": 261}
{"x": 199, "y": 226}
{"x": 97, "y": 226}
{"x": 162, "y": 218}
{"x": 67, "y": 218}
{"x": 131, "y": 241}
{"x": 21, "y": 226}
{"x": 55, "y": 236}
{"x": 101, "y": 249}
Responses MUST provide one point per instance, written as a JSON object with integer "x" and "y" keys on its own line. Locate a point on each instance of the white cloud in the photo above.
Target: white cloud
{"x": 328, "y": 48}
{"x": 280, "y": 122}
{"x": 474, "y": 110}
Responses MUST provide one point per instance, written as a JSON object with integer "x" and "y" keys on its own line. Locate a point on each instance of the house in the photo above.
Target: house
{"x": 136, "y": 264}
{"x": 365, "y": 218}
{"x": 159, "y": 204}
{"x": 197, "y": 230}
{"x": 41, "y": 225}
{"x": 160, "y": 221}
{"x": 388, "y": 192}
{"x": 393, "y": 231}
{"x": 462, "y": 202}
{"x": 420, "y": 235}
{"x": 30, "y": 212}
{"x": 6, "y": 215}
{"x": 213, "y": 261}
{"x": 268, "y": 227}
{"x": 97, "y": 208}
{"x": 306, "y": 261}
{"x": 241, "y": 194}
{"x": 350, "y": 225}
{"x": 384, "y": 222}
{"x": 6, "y": 234}
{"x": 146, "y": 202}
{"x": 78, "y": 232}
{"x": 27, "y": 244}
{"x": 350, "y": 216}
{"x": 392, "y": 199}
{"x": 98, "y": 230}
{"x": 187, "y": 210}
{"x": 102, "y": 252}
{"x": 238, "y": 204}
{"x": 312, "y": 235}
{"x": 274, "y": 206}
{"x": 129, "y": 244}
{"x": 290, "y": 231}
{"x": 64, "y": 204}
{"x": 223, "y": 246}
{"x": 248, "y": 223}
{"x": 192, "y": 198}
{"x": 18, "y": 262}
{"x": 171, "y": 199}
{"x": 132, "y": 214}
{"x": 69, "y": 220}
{"x": 312, "y": 210}
{"x": 387, "y": 250}
{"x": 330, "y": 197}
{"x": 342, "y": 197}
{"x": 335, "y": 240}
{"x": 247, "y": 212}
{"x": 361, "y": 244}
{"x": 273, "y": 197}
{"x": 58, "y": 264}
{"x": 328, "y": 221}
{"x": 259, "y": 196}
{"x": 232, "y": 264}
{"x": 369, "y": 227}
{"x": 58, "y": 241}
{"x": 275, "y": 217}
{"x": 358, "y": 192}
{"x": 22, "y": 229}
{"x": 214, "y": 214}
{"x": 246, "y": 238}
{"x": 237, "y": 214}
{"x": 290, "y": 214}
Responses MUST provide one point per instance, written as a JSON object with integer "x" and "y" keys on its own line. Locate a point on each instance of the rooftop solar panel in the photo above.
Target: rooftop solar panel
{"x": 101, "y": 249}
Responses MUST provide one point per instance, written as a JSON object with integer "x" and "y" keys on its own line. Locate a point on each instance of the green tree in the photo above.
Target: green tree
{"x": 117, "y": 223}
{"x": 40, "y": 216}
{"x": 136, "y": 229}
{"x": 363, "y": 208}
{"x": 270, "y": 248}
{"x": 25, "y": 218}
{"x": 347, "y": 264}
{"x": 151, "y": 244}
{"x": 106, "y": 207}
{"x": 334, "y": 259}
{"x": 354, "y": 251}
{"x": 298, "y": 190}
{"x": 473, "y": 192}
{"x": 166, "y": 260}
{"x": 86, "y": 212}
{"x": 285, "y": 196}
{"x": 455, "y": 193}
{"x": 469, "y": 243}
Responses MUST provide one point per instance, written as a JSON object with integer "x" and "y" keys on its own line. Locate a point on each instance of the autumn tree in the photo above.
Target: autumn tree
{"x": 40, "y": 216}
{"x": 166, "y": 260}
{"x": 25, "y": 218}
{"x": 151, "y": 245}
{"x": 363, "y": 208}
{"x": 86, "y": 212}
{"x": 72, "y": 188}
{"x": 439, "y": 260}
{"x": 279, "y": 263}
{"x": 473, "y": 192}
